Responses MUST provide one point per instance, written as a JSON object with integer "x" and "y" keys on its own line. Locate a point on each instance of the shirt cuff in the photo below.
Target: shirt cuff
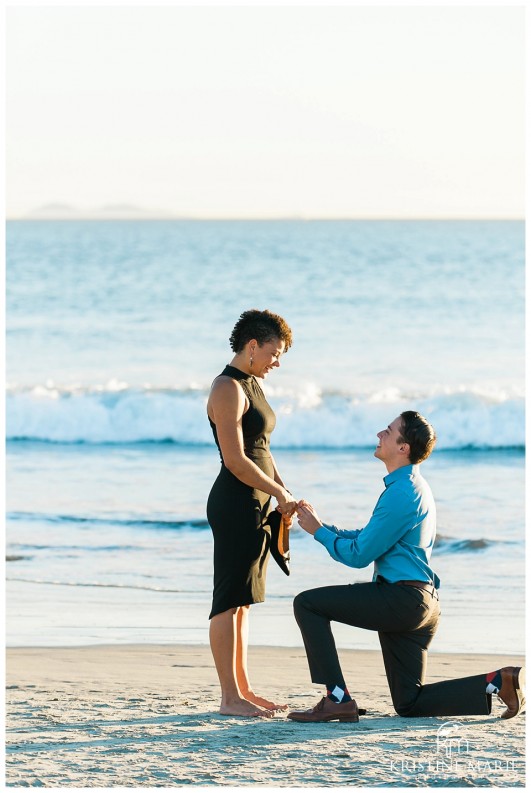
{"x": 324, "y": 535}
{"x": 331, "y": 527}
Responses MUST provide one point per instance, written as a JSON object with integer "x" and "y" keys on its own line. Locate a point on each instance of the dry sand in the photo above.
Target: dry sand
{"x": 146, "y": 716}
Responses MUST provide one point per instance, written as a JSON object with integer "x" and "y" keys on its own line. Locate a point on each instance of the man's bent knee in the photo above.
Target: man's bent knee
{"x": 301, "y": 601}
{"x": 406, "y": 708}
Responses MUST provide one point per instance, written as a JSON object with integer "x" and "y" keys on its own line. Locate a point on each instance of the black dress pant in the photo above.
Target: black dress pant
{"x": 406, "y": 619}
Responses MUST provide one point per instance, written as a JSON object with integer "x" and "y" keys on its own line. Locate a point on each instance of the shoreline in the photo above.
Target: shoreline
{"x": 12, "y": 648}
{"x": 146, "y": 715}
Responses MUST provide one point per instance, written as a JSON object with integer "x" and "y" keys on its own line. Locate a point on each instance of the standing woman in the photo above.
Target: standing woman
{"x": 239, "y": 501}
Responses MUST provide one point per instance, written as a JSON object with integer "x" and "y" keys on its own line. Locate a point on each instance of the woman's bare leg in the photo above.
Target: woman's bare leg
{"x": 242, "y": 675}
{"x": 223, "y": 643}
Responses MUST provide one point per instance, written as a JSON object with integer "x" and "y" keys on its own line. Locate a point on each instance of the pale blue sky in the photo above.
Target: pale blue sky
{"x": 234, "y": 111}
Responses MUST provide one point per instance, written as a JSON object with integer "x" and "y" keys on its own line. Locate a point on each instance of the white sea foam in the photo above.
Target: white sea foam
{"x": 308, "y": 418}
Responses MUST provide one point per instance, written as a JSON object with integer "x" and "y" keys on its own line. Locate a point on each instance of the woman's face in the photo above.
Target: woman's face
{"x": 265, "y": 357}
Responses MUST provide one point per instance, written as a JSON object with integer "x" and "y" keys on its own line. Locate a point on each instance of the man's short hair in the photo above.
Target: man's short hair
{"x": 419, "y": 434}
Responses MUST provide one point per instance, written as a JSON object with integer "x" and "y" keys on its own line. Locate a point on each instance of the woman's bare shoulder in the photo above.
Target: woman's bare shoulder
{"x": 225, "y": 383}
{"x": 226, "y": 397}
{"x": 226, "y": 389}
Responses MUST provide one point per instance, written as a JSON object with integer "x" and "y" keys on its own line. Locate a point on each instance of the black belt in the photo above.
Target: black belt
{"x": 418, "y": 584}
{"x": 427, "y": 586}
{"x": 414, "y": 583}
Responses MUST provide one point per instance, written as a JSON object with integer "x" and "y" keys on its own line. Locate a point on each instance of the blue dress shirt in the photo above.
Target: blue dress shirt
{"x": 399, "y": 536}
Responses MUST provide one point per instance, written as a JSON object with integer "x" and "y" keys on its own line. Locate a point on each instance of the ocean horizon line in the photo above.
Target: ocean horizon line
{"x": 265, "y": 218}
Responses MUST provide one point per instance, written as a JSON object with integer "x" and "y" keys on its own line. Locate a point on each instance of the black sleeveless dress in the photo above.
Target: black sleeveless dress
{"x": 236, "y": 512}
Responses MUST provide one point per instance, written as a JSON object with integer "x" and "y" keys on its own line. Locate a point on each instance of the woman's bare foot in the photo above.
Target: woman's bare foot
{"x": 250, "y": 696}
{"x": 245, "y": 708}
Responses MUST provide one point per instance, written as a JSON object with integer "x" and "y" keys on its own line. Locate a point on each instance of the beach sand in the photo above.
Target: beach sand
{"x": 146, "y": 715}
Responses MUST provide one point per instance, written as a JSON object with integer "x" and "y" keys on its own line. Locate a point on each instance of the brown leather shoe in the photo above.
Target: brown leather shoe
{"x": 512, "y": 691}
{"x": 327, "y": 710}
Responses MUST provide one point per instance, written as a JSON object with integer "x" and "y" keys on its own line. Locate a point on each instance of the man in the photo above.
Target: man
{"x": 401, "y": 602}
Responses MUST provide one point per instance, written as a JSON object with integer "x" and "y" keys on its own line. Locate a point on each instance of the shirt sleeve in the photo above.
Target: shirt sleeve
{"x": 342, "y": 532}
{"x": 393, "y": 516}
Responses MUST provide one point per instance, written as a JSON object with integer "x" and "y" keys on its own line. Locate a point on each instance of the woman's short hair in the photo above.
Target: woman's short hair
{"x": 419, "y": 434}
{"x": 260, "y": 325}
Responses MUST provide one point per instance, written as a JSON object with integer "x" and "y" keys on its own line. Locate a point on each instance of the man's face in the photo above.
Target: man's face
{"x": 388, "y": 448}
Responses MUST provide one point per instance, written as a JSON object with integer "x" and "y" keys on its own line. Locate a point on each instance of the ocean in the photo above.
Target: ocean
{"x": 115, "y": 330}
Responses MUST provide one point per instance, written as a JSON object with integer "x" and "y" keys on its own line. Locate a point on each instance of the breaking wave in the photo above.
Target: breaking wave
{"x": 310, "y": 418}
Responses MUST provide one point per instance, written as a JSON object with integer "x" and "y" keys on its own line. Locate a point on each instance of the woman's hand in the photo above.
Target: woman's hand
{"x": 286, "y": 503}
{"x": 308, "y": 518}
{"x": 287, "y": 520}
{"x": 287, "y": 508}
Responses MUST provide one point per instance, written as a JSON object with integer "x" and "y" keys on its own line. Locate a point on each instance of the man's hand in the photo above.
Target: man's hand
{"x": 308, "y": 518}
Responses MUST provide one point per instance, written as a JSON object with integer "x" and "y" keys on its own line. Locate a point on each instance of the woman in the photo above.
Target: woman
{"x": 239, "y": 501}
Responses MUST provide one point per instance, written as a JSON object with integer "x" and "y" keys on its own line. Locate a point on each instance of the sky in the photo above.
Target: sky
{"x": 267, "y": 111}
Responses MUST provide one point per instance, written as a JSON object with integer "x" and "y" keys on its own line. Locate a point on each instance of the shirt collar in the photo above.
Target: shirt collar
{"x": 404, "y": 472}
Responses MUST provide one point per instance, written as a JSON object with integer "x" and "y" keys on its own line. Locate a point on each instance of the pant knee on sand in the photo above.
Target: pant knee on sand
{"x": 405, "y": 710}
{"x": 406, "y": 706}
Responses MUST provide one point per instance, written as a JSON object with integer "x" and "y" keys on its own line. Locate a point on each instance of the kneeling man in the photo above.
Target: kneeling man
{"x": 401, "y": 602}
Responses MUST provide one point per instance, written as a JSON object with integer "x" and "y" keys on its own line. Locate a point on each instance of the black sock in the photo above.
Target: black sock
{"x": 338, "y": 693}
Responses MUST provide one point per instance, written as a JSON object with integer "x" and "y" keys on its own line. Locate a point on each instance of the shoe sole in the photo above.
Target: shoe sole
{"x": 519, "y": 687}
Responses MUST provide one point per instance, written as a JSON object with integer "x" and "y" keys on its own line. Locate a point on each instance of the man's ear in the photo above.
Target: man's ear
{"x": 404, "y": 449}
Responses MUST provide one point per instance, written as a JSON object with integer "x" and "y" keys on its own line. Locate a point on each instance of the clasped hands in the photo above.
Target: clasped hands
{"x": 307, "y": 516}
